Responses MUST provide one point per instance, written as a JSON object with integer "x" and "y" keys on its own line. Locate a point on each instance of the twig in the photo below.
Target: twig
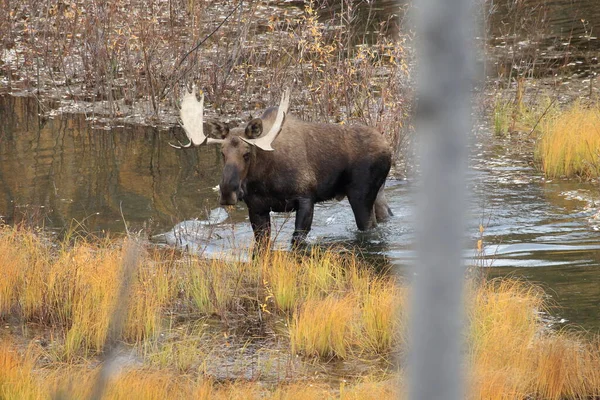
{"x": 123, "y": 216}
{"x": 209, "y": 35}
{"x": 542, "y": 116}
{"x": 170, "y": 87}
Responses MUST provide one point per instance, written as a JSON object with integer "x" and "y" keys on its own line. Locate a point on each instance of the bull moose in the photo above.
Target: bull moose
{"x": 294, "y": 165}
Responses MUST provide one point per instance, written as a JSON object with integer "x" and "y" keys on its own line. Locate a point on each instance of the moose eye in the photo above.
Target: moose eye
{"x": 246, "y": 156}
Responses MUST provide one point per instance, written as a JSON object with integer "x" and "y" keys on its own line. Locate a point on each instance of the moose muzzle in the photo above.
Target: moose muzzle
{"x": 231, "y": 187}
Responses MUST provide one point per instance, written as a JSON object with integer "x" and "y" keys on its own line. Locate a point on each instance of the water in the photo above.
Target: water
{"x": 61, "y": 169}
{"x": 532, "y": 37}
{"x": 56, "y": 171}
{"x": 544, "y": 231}
{"x": 551, "y": 22}
{"x": 543, "y": 38}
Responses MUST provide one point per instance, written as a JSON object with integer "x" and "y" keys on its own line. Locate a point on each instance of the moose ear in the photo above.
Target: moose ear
{"x": 216, "y": 129}
{"x": 254, "y": 128}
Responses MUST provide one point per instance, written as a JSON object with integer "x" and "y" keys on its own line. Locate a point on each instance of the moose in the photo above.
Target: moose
{"x": 294, "y": 165}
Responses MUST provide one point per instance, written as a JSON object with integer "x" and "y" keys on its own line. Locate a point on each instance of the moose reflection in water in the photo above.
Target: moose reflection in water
{"x": 308, "y": 163}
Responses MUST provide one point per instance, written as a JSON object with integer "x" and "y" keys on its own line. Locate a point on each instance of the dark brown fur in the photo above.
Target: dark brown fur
{"x": 311, "y": 163}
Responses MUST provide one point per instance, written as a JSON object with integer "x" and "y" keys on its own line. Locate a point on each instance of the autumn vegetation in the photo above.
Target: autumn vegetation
{"x": 128, "y": 60}
{"x": 566, "y": 136}
{"x": 543, "y": 87}
{"x": 323, "y": 324}
{"x": 569, "y": 143}
{"x": 202, "y": 328}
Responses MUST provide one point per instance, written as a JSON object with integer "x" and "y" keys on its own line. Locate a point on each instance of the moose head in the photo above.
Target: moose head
{"x": 238, "y": 146}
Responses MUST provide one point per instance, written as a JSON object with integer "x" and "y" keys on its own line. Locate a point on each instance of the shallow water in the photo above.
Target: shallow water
{"x": 60, "y": 172}
{"x": 56, "y": 171}
{"x": 531, "y": 37}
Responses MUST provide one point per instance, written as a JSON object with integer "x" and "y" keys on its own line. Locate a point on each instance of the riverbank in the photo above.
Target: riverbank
{"x": 207, "y": 328}
{"x": 128, "y": 61}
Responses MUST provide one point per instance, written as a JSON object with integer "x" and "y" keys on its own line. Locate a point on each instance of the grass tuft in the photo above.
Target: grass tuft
{"x": 323, "y": 328}
{"x": 569, "y": 144}
{"x": 513, "y": 355}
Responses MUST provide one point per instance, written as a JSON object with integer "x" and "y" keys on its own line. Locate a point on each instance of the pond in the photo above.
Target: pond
{"x": 65, "y": 173}
{"x": 60, "y": 172}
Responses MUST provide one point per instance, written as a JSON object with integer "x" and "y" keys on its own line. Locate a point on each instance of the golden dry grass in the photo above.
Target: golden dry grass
{"x": 512, "y": 354}
{"x": 359, "y": 323}
{"x": 324, "y": 328}
{"x": 569, "y": 144}
{"x": 24, "y": 257}
{"x": 383, "y": 318}
{"x": 74, "y": 289}
{"x": 335, "y": 307}
{"x": 16, "y": 374}
{"x": 19, "y": 381}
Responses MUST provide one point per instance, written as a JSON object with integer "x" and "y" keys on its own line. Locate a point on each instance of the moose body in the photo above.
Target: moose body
{"x": 309, "y": 163}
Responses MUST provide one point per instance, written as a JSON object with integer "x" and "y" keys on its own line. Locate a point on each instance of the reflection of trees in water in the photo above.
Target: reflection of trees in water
{"x": 75, "y": 172}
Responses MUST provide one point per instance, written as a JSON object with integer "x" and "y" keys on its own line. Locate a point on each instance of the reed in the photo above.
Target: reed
{"x": 185, "y": 350}
{"x": 322, "y": 305}
{"x": 514, "y": 356}
{"x": 569, "y": 144}
{"x": 282, "y": 275}
{"x": 383, "y": 318}
{"x": 324, "y": 328}
{"x": 211, "y": 285}
{"x": 73, "y": 289}
{"x": 503, "y": 112}
{"x": 24, "y": 260}
{"x": 17, "y": 379}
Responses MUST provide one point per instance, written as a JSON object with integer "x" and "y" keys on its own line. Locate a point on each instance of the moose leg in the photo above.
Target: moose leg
{"x": 362, "y": 207}
{"x": 261, "y": 225}
{"x": 383, "y": 212}
{"x": 304, "y": 217}
{"x": 362, "y": 193}
{"x": 366, "y": 185}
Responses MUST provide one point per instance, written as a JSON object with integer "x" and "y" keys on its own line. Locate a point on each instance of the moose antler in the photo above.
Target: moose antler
{"x": 264, "y": 142}
{"x": 192, "y": 120}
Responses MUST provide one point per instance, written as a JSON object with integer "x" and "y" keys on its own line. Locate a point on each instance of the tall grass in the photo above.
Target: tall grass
{"x": 358, "y": 323}
{"x": 24, "y": 256}
{"x": 213, "y": 285}
{"x": 323, "y": 327}
{"x": 514, "y": 356}
{"x": 512, "y": 114}
{"x": 17, "y": 381}
{"x": 336, "y": 304}
{"x": 330, "y": 306}
{"x": 383, "y": 318}
{"x": 569, "y": 144}
{"x": 73, "y": 289}
{"x": 503, "y": 110}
